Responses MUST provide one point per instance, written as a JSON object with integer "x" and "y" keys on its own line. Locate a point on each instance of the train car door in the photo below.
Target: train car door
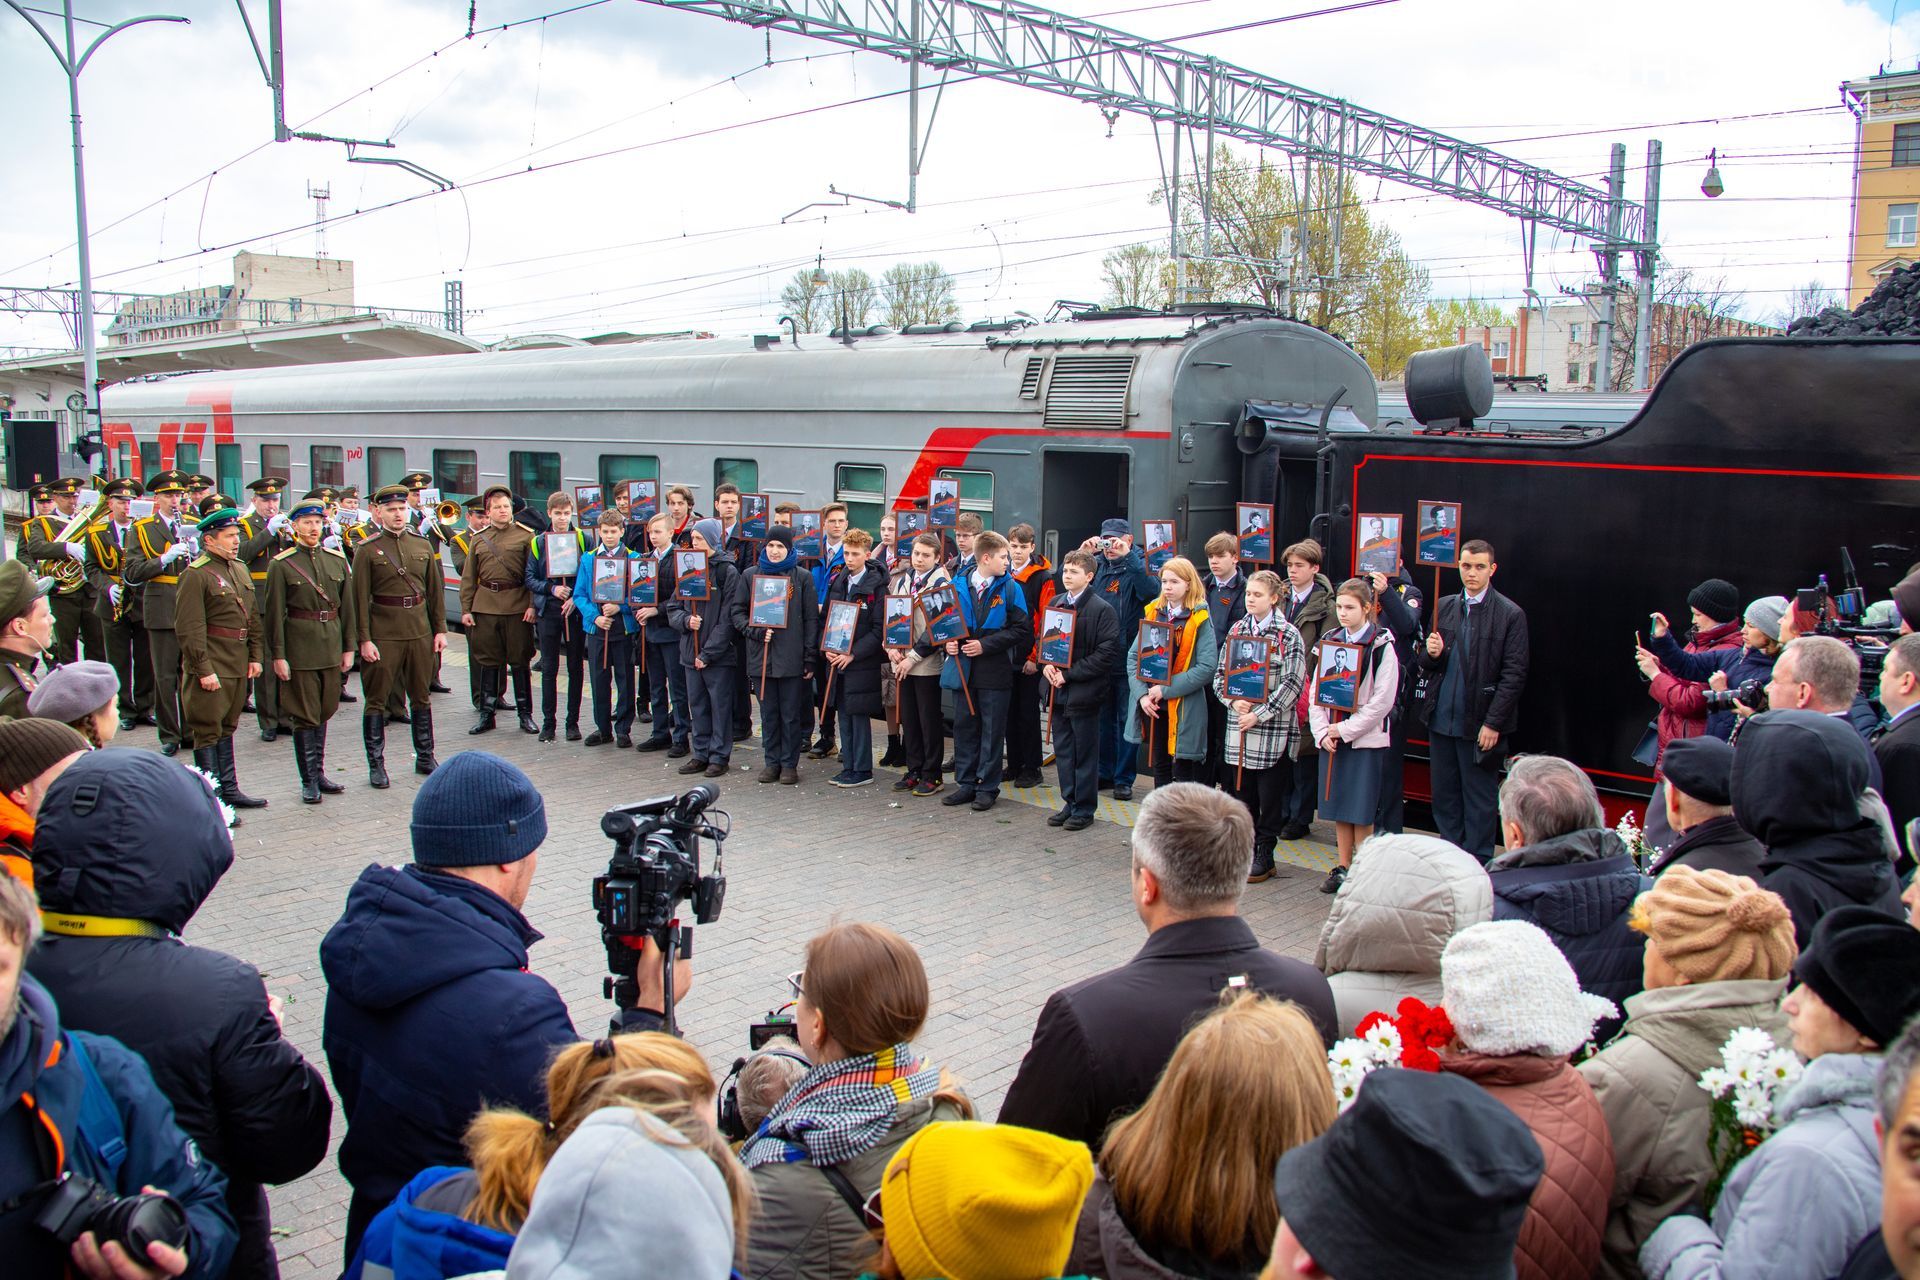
{"x": 1078, "y": 489}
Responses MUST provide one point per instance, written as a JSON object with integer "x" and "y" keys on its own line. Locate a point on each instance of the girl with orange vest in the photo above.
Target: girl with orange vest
{"x": 1174, "y": 715}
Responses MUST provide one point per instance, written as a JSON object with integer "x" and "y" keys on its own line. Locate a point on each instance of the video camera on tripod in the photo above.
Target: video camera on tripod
{"x": 656, "y": 866}
{"x": 1840, "y": 615}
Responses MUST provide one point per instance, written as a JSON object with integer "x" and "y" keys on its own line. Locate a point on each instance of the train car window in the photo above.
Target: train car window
{"x": 864, "y": 489}
{"x": 533, "y": 477}
{"x": 618, "y": 467}
{"x": 744, "y": 473}
{"x": 123, "y": 460}
{"x": 226, "y": 462}
{"x": 385, "y": 466}
{"x": 456, "y": 473}
{"x": 976, "y": 491}
{"x": 328, "y": 462}
{"x": 274, "y": 462}
{"x": 186, "y": 456}
{"x": 150, "y": 459}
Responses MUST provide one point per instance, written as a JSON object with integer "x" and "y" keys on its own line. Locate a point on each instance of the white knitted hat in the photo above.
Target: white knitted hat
{"x": 1508, "y": 990}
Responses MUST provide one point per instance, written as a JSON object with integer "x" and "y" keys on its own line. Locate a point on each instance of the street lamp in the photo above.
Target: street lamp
{"x": 1711, "y": 186}
{"x": 73, "y": 61}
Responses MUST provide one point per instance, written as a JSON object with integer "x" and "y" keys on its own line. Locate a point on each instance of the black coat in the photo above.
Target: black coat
{"x": 1400, "y": 606}
{"x": 1497, "y": 666}
{"x": 1101, "y": 1043}
{"x": 1098, "y": 651}
{"x": 1718, "y": 844}
{"x": 540, "y": 583}
{"x": 1226, "y": 605}
{"x": 199, "y": 1017}
{"x": 715, "y": 641}
{"x": 659, "y": 629}
{"x": 1898, "y": 751}
{"x": 795, "y": 648}
{"x": 856, "y": 686}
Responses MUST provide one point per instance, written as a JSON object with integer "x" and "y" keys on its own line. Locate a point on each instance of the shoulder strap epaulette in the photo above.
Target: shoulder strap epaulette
{"x": 201, "y": 561}
{"x": 284, "y": 554}
{"x": 330, "y": 551}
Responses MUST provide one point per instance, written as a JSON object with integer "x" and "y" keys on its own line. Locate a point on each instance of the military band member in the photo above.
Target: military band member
{"x": 263, "y": 535}
{"x": 424, "y": 522}
{"x": 310, "y": 641}
{"x": 459, "y": 546}
{"x": 218, "y": 625}
{"x": 155, "y": 554}
{"x": 497, "y": 609}
{"x": 76, "y": 628}
{"x": 355, "y": 528}
{"x": 41, "y": 498}
{"x": 399, "y": 618}
{"x": 200, "y": 487}
{"x": 26, "y": 629}
{"x": 117, "y": 604}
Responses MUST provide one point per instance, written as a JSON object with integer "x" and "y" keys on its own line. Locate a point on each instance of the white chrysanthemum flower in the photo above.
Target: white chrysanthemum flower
{"x": 1747, "y": 1043}
{"x": 1344, "y": 1093}
{"x": 1752, "y": 1107}
{"x": 1781, "y": 1070}
{"x": 1386, "y": 1043}
{"x": 1716, "y": 1082}
{"x": 1349, "y": 1054}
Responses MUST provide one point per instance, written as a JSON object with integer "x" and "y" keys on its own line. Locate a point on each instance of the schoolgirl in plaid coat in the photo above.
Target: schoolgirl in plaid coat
{"x": 1258, "y": 763}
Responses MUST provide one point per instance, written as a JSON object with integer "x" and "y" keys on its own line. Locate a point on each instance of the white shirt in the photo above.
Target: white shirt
{"x": 980, "y": 583}
{"x": 1474, "y": 602}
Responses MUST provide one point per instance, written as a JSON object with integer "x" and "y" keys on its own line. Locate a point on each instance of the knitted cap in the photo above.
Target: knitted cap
{"x": 782, "y": 535}
{"x": 1717, "y": 598}
{"x": 710, "y": 530}
{"x": 1715, "y": 927}
{"x": 983, "y": 1201}
{"x": 1866, "y": 965}
{"x": 476, "y": 810}
{"x": 28, "y": 748}
{"x": 1508, "y": 990}
{"x": 1766, "y": 613}
{"x": 74, "y": 691}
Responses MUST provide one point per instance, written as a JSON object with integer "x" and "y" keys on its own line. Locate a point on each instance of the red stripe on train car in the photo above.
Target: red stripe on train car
{"x": 951, "y": 446}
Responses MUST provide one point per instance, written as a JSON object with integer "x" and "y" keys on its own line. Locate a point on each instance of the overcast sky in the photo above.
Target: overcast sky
{"x": 624, "y": 166}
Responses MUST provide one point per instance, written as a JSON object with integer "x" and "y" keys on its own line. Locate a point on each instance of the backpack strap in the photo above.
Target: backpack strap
{"x": 100, "y": 1127}
{"x": 848, "y": 1192}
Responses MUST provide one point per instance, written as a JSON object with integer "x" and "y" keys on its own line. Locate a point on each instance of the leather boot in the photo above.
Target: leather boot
{"x": 423, "y": 761}
{"x": 523, "y": 698}
{"x": 346, "y": 694}
{"x": 303, "y": 760}
{"x": 896, "y": 754}
{"x": 229, "y": 778}
{"x": 320, "y": 779}
{"x": 373, "y": 731}
{"x": 489, "y": 687}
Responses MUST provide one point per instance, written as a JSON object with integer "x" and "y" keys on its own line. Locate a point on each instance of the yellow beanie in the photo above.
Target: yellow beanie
{"x": 971, "y": 1201}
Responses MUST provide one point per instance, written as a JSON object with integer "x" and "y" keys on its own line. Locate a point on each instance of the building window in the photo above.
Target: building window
{"x": 617, "y": 468}
{"x": 456, "y": 473}
{"x": 976, "y": 492}
{"x": 742, "y": 473}
{"x": 1902, "y": 222}
{"x": 1906, "y": 145}
{"x": 328, "y": 462}
{"x": 226, "y": 465}
{"x": 864, "y": 490}
{"x": 385, "y": 466}
{"x": 1573, "y": 332}
{"x": 1500, "y": 350}
{"x": 274, "y": 462}
{"x": 1593, "y": 373}
{"x": 1573, "y": 374}
{"x": 533, "y": 477}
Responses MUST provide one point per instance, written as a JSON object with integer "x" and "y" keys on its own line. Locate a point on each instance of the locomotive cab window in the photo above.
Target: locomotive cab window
{"x": 743, "y": 473}
{"x": 328, "y": 462}
{"x": 274, "y": 461}
{"x": 385, "y": 466}
{"x": 615, "y": 468}
{"x": 976, "y": 492}
{"x": 456, "y": 473}
{"x": 533, "y": 476}
{"x": 226, "y": 464}
{"x": 864, "y": 490}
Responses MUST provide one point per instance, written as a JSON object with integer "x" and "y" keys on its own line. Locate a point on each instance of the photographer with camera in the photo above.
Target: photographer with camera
{"x": 1729, "y": 673}
{"x": 96, "y": 1179}
{"x": 432, "y": 1012}
{"x": 1121, "y": 579}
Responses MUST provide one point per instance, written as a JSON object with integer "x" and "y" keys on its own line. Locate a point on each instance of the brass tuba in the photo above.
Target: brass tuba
{"x": 68, "y": 574}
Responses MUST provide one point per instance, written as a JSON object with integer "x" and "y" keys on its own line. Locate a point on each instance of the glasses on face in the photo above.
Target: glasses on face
{"x": 793, "y": 982}
{"x": 870, "y": 1212}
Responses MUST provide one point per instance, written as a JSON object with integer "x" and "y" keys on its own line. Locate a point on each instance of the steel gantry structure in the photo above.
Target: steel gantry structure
{"x": 1203, "y": 98}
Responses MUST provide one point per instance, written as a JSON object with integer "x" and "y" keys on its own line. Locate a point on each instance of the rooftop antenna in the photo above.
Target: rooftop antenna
{"x": 319, "y": 195}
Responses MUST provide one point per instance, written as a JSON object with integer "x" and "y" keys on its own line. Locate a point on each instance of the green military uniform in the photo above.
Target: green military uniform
{"x": 20, "y": 592}
{"x": 155, "y": 553}
{"x": 399, "y": 607}
{"x": 16, "y": 684}
{"x": 76, "y": 629}
{"x": 493, "y": 592}
{"x": 117, "y": 605}
{"x": 309, "y": 626}
{"x": 259, "y": 544}
{"x": 218, "y": 626}
{"x": 459, "y": 546}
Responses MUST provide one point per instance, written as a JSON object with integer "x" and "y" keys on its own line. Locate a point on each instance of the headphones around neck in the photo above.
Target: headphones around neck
{"x": 732, "y": 1124}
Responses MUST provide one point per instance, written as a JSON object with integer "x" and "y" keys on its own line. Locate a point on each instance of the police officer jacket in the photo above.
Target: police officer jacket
{"x": 309, "y": 608}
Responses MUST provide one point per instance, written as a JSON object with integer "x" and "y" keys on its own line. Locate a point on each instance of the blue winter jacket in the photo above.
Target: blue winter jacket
{"x": 431, "y": 1016}
{"x": 583, "y": 589}
{"x": 411, "y": 1239}
{"x": 1127, "y": 586}
{"x": 1741, "y": 665}
{"x": 37, "y": 1058}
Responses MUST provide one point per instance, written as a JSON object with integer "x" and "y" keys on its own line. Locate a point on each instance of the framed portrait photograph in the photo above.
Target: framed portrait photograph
{"x": 1159, "y": 541}
{"x": 940, "y": 606}
{"x": 1153, "y": 659}
{"x": 1056, "y": 636}
{"x": 588, "y": 502}
{"x": 643, "y": 500}
{"x": 898, "y": 631}
{"x": 843, "y": 617}
{"x": 690, "y": 575}
{"x": 909, "y": 525}
{"x": 643, "y": 581}
{"x": 754, "y": 509}
{"x": 563, "y": 555}
{"x": 1253, "y": 525}
{"x": 1379, "y": 544}
{"x": 943, "y": 502}
{"x": 1246, "y": 676}
{"x": 808, "y": 541}
{"x": 1437, "y": 541}
{"x": 768, "y": 606}
{"x": 610, "y": 579}
{"x": 1336, "y": 681}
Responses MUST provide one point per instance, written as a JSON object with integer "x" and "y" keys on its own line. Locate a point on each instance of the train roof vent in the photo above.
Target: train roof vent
{"x": 1030, "y": 380}
{"x": 1088, "y": 391}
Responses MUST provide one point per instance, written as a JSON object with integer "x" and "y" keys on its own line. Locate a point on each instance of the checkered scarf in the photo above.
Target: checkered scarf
{"x": 840, "y": 1109}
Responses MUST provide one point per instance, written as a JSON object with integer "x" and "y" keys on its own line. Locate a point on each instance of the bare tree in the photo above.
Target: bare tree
{"x": 1132, "y": 274}
{"x": 917, "y": 293}
{"x": 1687, "y": 308}
{"x": 805, "y": 301}
{"x": 1809, "y": 299}
{"x": 852, "y": 299}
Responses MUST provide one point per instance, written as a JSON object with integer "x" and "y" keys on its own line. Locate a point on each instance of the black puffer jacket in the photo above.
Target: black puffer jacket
{"x": 714, "y": 641}
{"x": 1580, "y": 888}
{"x": 1797, "y": 779}
{"x": 792, "y": 650}
{"x": 257, "y": 1108}
{"x": 856, "y": 686}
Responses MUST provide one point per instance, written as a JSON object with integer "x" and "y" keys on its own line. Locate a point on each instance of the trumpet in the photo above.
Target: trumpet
{"x": 447, "y": 512}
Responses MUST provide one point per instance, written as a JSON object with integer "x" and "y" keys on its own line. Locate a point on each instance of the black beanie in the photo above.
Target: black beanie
{"x": 1866, "y": 965}
{"x": 1717, "y": 598}
{"x": 782, "y": 535}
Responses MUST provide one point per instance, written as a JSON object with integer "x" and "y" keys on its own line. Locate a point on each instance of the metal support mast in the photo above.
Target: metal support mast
{"x": 1646, "y": 264}
{"x": 1608, "y": 254}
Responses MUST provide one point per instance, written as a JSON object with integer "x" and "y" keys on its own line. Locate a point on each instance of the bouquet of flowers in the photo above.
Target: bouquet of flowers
{"x": 1752, "y": 1075}
{"x": 1411, "y": 1038}
{"x": 1636, "y": 841}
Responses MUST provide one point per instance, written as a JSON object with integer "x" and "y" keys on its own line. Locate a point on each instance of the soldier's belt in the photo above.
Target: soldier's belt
{"x": 496, "y": 585}
{"x": 259, "y": 575}
{"x": 313, "y": 615}
{"x": 227, "y": 633}
{"x": 398, "y": 602}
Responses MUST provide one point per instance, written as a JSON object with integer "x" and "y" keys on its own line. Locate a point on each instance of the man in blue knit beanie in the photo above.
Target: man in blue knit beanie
{"x": 432, "y": 1013}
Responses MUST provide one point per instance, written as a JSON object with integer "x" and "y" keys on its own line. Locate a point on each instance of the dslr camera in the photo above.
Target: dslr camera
{"x": 1751, "y": 693}
{"x": 656, "y": 866}
{"x": 77, "y": 1205}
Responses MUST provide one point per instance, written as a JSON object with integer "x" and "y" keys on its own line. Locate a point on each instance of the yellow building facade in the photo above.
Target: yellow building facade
{"x": 1886, "y": 178}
